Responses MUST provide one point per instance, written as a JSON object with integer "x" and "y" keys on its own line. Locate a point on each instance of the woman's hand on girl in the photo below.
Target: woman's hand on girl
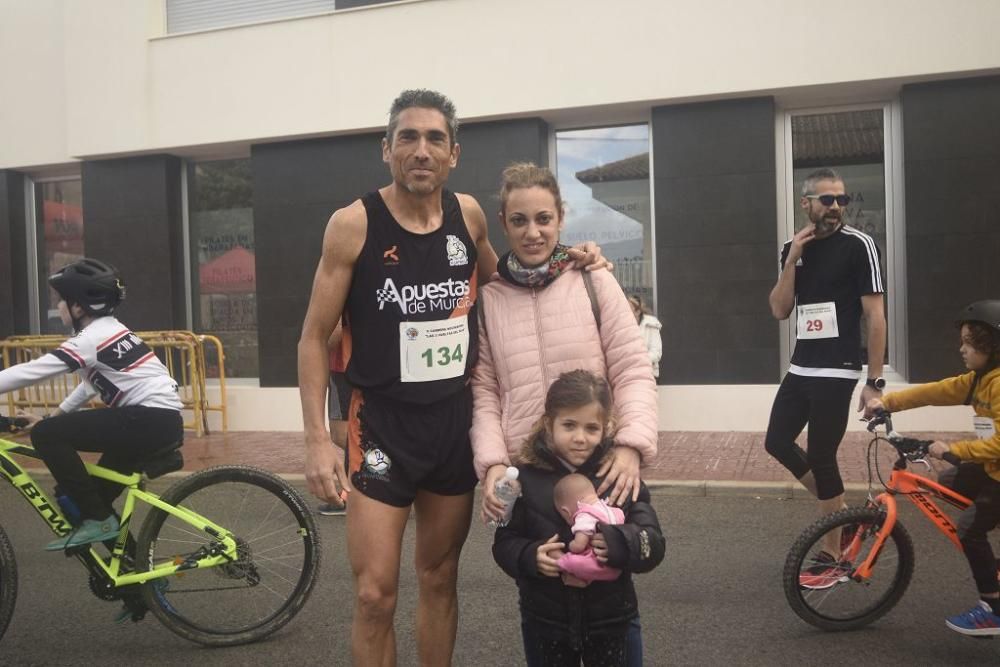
{"x": 621, "y": 470}
{"x": 547, "y": 556}
{"x": 493, "y": 507}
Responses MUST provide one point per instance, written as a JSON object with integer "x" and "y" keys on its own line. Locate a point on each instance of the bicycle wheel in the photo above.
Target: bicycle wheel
{"x": 823, "y": 590}
{"x": 8, "y": 581}
{"x": 251, "y": 597}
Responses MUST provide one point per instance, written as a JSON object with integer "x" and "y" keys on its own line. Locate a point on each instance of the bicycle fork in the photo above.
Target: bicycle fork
{"x": 887, "y": 503}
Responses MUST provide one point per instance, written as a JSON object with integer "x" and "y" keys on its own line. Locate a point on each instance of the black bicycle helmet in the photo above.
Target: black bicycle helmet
{"x": 987, "y": 312}
{"x": 90, "y": 284}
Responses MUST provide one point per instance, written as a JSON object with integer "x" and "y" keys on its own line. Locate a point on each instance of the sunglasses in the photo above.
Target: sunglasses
{"x": 827, "y": 200}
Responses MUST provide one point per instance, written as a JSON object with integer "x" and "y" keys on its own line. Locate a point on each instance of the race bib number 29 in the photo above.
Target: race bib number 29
{"x": 434, "y": 350}
{"x": 817, "y": 320}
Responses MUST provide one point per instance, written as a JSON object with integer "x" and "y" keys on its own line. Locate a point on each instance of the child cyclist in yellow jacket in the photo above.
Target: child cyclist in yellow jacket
{"x": 978, "y": 475}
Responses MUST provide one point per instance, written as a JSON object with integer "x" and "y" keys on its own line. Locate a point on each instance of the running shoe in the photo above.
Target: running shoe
{"x": 980, "y": 621}
{"x": 329, "y": 509}
{"x": 826, "y": 573}
{"x": 88, "y": 532}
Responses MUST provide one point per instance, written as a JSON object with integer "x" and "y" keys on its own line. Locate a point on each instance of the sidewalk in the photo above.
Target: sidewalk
{"x": 686, "y": 460}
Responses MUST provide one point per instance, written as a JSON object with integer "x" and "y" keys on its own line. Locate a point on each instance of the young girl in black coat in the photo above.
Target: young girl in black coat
{"x": 563, "y": 621}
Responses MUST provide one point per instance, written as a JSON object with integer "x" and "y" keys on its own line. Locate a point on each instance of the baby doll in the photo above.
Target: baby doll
{"x": 577, "y": 502}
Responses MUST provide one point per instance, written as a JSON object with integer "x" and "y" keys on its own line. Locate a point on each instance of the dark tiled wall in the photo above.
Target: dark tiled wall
{"x": 298, "y": 185}
{"x": 486, "y": 149}
{"x": 951, "y": 149}
{"x": 132, "y": 219}
{"x": 13, "y": 257}
{"x": 716, "y": 241}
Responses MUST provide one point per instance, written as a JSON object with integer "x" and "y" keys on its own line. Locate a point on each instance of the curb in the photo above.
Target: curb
{"x": 721, "y": 488}
{"x": 659, "y": 487}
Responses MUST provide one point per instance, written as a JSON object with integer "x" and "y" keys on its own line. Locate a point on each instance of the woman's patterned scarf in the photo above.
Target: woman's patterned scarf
{"x": 511, "y": 269}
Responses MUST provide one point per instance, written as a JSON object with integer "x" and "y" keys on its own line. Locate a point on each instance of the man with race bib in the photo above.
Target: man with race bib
{"x": 830, "y": 275}
{"x": 402, "y": 265}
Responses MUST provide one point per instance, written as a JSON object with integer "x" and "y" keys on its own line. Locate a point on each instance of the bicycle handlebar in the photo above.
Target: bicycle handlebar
{"x": 8, "y": 425}
{"x": 912, "y": 448}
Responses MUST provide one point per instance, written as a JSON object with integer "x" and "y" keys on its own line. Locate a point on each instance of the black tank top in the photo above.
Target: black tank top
{"x": 412, "y": 295}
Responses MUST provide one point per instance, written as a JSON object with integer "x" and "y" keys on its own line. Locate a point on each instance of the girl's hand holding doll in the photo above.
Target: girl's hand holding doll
{"x": 600, "y": 547}
{"x": 547, "y": 556}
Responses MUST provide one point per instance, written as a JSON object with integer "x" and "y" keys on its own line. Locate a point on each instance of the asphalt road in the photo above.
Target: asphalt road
{"x": 716, "y": 599}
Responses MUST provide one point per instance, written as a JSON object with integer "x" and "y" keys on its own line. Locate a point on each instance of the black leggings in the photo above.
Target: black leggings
{"x": 824, "y": 403}
{"x": 971, "y": 480}
{"x": 124, "y": 436}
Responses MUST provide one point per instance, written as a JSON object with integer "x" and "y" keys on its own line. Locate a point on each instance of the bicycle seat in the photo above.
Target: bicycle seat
{"x": 162, "y": 461}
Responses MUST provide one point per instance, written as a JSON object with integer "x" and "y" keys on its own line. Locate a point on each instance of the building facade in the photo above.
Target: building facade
{"x": 202, "y": 150}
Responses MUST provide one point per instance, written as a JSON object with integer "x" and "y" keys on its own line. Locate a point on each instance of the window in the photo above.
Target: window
{"x": 857, "y": 144}
{"x": 224, "y": 283}
{"x": 190, "y": 15}
{"x": 604, "y": 178}
{"x": 59, "y": 234}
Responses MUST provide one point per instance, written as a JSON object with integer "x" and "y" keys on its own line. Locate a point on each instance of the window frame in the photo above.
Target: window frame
{"x": 619, "y": 121}
{"x": 31, "y": 242}
{"x": 896, "y": 368}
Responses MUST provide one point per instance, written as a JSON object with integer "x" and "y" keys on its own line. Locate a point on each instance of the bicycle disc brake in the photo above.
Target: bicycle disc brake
{"x": 241, "y": 568}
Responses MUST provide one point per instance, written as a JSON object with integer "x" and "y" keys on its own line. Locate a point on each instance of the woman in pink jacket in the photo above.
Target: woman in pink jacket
{"x": 542, "y": 318}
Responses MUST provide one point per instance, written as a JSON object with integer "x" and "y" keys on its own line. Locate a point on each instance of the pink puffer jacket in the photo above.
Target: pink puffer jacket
{"x": 531, "y": 336}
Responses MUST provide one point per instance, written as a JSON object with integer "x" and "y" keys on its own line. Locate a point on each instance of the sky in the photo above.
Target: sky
{"x": 577, "y": 150}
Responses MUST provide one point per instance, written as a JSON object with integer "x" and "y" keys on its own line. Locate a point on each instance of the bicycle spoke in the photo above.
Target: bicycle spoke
{"x": 251, "y": 593}
{"x": 823, "y": 590}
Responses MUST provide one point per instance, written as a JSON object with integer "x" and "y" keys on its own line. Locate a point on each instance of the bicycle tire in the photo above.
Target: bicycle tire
{"x": 846, "y": 603}
{"x": 8, "y": 581}
{"x": 223, "y": 605}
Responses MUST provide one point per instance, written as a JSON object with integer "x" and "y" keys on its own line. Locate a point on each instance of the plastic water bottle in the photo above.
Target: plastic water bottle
{"x": 507, "y": 489}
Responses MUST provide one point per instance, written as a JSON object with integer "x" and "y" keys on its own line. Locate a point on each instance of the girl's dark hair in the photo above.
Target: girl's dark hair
{"x": 574, "y": 389}
{"x": 637, "y": 301}
{"x": 984, "y": 338}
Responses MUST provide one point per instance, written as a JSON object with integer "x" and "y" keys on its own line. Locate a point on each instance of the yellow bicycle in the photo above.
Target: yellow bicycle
{"x": 232, "y": 579}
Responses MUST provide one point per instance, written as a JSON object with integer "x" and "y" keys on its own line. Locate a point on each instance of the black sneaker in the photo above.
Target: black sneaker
{"x": 826, "y": 573}
{"x": 329, "y": 509}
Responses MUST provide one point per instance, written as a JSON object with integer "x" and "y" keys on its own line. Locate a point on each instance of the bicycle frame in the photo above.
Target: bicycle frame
{"x": 223, "y": 549}
{"x": 921, "y": 491}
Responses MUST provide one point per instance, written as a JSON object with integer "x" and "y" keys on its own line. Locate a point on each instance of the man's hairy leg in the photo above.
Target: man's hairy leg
{"x": 374, "y": 539}
{"x": 442, "y": 526}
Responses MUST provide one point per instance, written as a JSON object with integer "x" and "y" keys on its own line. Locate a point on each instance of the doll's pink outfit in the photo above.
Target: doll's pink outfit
{"x": 584, "y": 565}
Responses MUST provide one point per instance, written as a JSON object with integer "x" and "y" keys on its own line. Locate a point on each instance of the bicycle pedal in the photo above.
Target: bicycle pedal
{"x": 72, "y": 552}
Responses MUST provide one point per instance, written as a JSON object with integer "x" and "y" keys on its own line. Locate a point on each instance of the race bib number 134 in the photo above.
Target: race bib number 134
{"x": 433, "y": 350}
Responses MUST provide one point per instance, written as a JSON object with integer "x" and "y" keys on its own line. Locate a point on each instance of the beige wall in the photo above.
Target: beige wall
{"x": 86, "y": 78}
{"x": 33, "y": 93}
{"x": 682, "y": 408}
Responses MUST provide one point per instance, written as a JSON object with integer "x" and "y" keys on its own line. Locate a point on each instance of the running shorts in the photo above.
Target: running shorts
{"x": 396, "y": 448}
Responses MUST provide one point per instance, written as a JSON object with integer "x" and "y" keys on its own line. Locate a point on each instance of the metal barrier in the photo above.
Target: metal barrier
{"x": 182, "y": 352}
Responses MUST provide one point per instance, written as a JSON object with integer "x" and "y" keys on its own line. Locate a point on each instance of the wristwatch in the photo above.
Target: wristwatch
{"x": 876, "y": 383}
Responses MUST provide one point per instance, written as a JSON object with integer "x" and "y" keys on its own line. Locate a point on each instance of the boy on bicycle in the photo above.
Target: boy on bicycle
{"x": 115, "y": 364}
{"x": 978, "y": 475}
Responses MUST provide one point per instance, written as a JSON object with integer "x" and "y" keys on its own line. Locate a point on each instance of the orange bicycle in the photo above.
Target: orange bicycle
{"x": 868, "y": 577}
